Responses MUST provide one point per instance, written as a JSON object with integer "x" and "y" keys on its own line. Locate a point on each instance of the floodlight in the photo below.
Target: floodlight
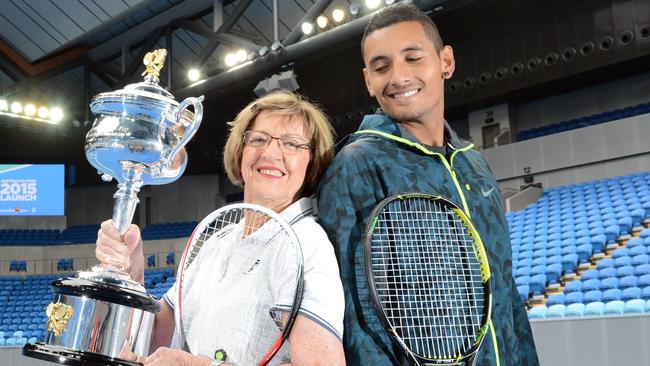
{"x": 43, "y": 112}
{"x": 194, "y": 74}
{"x": 16, "y": 107}
{"x": 322, "y": 21}
{"x": 56, "y": 114}
{"x": 338, "y": 15}
{"x": 29, "y": 109}
{"x": 372, "y": 4}
{"x": 230, "y": 59}
{"x": 307, "y": 28}
{"x": 241, "y": 55}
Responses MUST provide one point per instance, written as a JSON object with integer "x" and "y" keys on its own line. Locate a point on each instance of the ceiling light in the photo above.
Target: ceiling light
{"x": 56, "y": 114}
{"x": 355, "y": 9}
{"x": 322, "y": 21}
{"x": 276, "y": 46}
{"x": 230, "y": 59}
{"x": 241, "y": 55}
{"x": 16, "y": 107}
{"x": 338, "y": 15}
{"x": 263, "y": 51}
{"x": 193, "y": 74}
{"x": 372, "y": 4}
{"x": 307, "y": 27}
{"x": 30, "y": 109}
{"x": 43, "y": 112}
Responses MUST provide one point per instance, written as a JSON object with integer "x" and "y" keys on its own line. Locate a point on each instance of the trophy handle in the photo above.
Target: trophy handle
{"x": 190, "y": 129}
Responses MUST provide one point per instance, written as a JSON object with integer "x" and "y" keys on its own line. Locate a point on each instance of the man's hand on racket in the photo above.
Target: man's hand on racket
{"x": 172, "y": 357}
{"x": 123, "y": 251}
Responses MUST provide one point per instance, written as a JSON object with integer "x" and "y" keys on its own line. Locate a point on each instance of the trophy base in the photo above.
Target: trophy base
{"x": 64, "y": 356}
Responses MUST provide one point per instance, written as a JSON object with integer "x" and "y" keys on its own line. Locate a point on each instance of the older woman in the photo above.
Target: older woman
{"x": 279, "y": 145}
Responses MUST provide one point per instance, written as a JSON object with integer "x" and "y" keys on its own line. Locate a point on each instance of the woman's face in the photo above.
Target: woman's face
{"x": 272, "y": 178}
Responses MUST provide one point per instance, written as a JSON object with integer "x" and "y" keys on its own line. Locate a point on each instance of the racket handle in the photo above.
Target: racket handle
{"x": 126, "y": 199}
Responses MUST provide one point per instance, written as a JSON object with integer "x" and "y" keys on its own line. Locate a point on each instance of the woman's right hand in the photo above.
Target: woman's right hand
{"x": 121, "y": 250}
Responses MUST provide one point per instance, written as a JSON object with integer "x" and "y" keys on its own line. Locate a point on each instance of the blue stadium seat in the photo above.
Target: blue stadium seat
{"x": 575, "y": 309}
{"x": 575, "y": 286}
{"x": 555, "y": 299}
{"x": 628, "y": 281}
{"x": 620, "y": 252}
{"x": 537, "y": 283}
{"x": 170, "y": 259}
{"x": 522, "y": 281}
{"x": 605, "y": 263}
{"x": 614, "y": 307}
{"x": 151, "y": 261}
{"x": 539, "y": 269}
{"x": 631, "y": 293}
{"x": 643, "y": 269}
{"x": 640, "y": 259}
{"x": 553, "y": 272}
{"x": 608, "y": 283}
{"x": 584, "y": 252}
{"x": 556, "y": 311}
{"x": 589, "y": 274}
{"x": 634, "y": 306}
{"x": 539, "y": 261}
{"x": 592, "y": 296}
{"x": 644, "y": 280}
{"x": 625, "y": 271}
{"x": 537, "y": 312}
{"x": 637, "y": 250}
{"x": 623, "y": 261}
{"x": 611, "y": 295}
{"x": 612, "y": 232}
{"x": 607, "y": 272}
{"x": 569, "y": 261}
{"x": 598, "y": 241}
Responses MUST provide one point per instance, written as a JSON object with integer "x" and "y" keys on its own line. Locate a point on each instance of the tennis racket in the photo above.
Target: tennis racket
{"x": 240, "y": 285}
{"x": 429, "y": 278}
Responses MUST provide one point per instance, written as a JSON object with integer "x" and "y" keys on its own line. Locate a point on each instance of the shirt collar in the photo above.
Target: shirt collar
{"x": 298, "y": 210}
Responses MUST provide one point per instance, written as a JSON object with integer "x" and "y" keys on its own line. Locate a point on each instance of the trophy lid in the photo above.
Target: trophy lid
{"x": 147, "y": 91}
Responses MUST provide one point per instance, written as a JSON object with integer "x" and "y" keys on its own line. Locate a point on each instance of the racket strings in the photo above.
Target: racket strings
{"x": 427, "y": 278}
{"x": 239, "y": 286}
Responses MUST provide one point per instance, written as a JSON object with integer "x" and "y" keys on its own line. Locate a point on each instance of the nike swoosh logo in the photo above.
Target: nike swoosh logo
{"x": 487, "y": 193}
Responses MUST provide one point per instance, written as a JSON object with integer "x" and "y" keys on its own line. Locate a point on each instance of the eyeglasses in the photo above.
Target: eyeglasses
{"x": 289, "y": 145}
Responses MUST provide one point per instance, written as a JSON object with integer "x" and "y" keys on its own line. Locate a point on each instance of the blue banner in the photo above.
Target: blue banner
{"x": 32, "y": 190}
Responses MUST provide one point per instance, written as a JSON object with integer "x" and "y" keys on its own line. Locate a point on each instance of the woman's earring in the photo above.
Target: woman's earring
{"x": 445, "y": 75}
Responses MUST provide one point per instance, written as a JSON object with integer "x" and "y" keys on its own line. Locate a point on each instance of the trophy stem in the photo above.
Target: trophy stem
{"x": 126, "y": 199}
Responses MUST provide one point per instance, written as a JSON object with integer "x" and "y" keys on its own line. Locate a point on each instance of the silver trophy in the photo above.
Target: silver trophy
{"x": 102, "y": 316}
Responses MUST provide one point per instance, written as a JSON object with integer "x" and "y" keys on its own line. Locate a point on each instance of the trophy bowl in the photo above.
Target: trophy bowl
{"x": 102, "y": 316}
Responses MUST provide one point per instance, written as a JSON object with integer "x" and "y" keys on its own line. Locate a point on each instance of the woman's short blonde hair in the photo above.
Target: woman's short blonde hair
{"x": 295, "y": 107}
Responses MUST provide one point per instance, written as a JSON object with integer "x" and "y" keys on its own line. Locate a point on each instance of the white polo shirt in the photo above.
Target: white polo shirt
{"x": 322, "y": 297}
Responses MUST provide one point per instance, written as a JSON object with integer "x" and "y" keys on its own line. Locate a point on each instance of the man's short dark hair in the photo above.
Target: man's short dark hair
{"x": 399, "y": 13}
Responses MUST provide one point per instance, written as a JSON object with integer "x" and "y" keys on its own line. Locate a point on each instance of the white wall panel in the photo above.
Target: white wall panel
{"x": 593, "y": 341}
{"x": 605, "y": 150}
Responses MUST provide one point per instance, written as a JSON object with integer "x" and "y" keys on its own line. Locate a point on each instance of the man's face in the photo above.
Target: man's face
{"x": 405, "y": 72}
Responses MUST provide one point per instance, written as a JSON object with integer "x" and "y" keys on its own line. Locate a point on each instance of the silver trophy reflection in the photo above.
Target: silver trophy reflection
{"x": 102, "y": 315}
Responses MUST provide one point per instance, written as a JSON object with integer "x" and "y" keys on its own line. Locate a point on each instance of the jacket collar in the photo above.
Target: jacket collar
{"x": 382, "y": 122}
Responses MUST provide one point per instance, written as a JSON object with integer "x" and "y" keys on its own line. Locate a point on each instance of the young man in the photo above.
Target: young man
{"x": 409, "y": 147}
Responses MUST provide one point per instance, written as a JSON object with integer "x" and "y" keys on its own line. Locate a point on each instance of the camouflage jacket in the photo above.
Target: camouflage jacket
{"x": 370, "y": 166}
